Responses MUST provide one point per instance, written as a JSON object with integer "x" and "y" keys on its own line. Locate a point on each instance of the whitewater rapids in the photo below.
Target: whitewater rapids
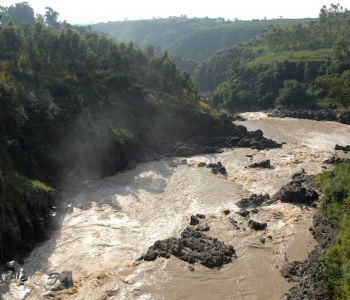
{"x": 113, "y": 221}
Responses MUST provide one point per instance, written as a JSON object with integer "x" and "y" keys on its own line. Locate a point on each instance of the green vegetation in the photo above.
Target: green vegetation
{"x": 335, "y": 204}
{"x": 189, "y": 40}
{"x": 80, "y": 106}
{"x": 251, "y": 75}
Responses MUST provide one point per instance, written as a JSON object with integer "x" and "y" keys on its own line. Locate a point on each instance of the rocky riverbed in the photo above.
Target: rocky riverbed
{"x": 113, "y": 222}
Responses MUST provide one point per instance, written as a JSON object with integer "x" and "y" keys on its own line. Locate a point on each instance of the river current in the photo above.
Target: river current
{"x": 113, "y": 221}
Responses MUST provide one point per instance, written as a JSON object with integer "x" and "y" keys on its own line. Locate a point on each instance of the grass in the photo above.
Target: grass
{"x": 302, "y": 56}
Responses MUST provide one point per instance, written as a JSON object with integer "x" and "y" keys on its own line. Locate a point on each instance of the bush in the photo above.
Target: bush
{"x": 335, "y": 204}
{"x": 292, "y": 94}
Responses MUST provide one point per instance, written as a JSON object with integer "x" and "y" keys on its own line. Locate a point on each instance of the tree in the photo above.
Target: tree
{"x": 18, "y": 13}
{"x": 338, "y": 88}
{"x": 150, "y": 51}
{"x": 292, "y": 94}
{"x": 51, "y": 18}
{"x": 40, "y": 18}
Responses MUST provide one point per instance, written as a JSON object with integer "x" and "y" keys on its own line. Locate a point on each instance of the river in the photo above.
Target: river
{"x": 113, "y": 221}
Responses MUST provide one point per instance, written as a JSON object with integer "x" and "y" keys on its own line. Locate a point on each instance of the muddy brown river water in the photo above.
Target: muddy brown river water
{"x": 113, "y": 221}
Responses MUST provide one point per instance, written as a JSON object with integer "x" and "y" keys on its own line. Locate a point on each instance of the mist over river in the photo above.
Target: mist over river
{"x": 112, "y": 222}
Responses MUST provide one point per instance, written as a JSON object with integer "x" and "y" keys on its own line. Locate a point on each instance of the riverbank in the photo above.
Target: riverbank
{"x": 114, "y": 221}
{"x": 310, "y": 114}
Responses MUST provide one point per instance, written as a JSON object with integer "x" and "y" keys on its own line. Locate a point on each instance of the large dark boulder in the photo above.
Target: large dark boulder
{"x": 342, "y": 148}
{"x": 265, "y": 164}
{"x": 217, "y": 168}
{"x": 301, "y": 189}
{"x": 193, "y": 246}
{"x": 256, "y": 225}
{"x": 253, "y": 201}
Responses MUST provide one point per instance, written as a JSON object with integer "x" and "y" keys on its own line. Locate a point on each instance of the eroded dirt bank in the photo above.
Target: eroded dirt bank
{"x": 112, "y": 222}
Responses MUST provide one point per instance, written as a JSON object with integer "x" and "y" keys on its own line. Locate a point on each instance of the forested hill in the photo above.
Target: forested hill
{"x": 301, "y": 66}
{"x": 189, "y": 40}
{"x": 78, "y": 106}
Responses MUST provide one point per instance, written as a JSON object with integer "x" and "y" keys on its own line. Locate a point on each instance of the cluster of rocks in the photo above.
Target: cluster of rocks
{"x": 234, "y": 223}
{"x": 336, "y": 160}
{"x": 59, "y": 281}
{"x": 239, "y": 137}
{"x": 342, "y": 148}
{"x": 300, "y": 189}
{"x": 217, "y": 168}
{"x": 193, "y": 246}
{"x": 53, "y": 281}
{"x": 266, "y": 164}
{"x": 318, "y": 115}
{"x": 12, "y": 271}
{"x": 253, "y": 201}
{"x": 235, "y": 117}
{"x": 308, "y": 274}
{"x": 256, "y": 225}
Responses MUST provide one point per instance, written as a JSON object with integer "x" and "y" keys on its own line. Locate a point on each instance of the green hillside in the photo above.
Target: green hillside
{"x": 305, "y": 65}
{"x": 189, "y": 40}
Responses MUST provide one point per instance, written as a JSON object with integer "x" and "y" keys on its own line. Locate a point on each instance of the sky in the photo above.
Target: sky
{"x": 88, "y": 12}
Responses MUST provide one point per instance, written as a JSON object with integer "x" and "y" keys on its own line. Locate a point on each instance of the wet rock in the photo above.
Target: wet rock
{"x": 183, "y": 162}
{"x": 232, "y": 221}
{"x": 194, "y": 220}
{"x": 266, "y": 164}
{"x": 193, "y": 246}
{"x": 269, "y": 237}
{"x": 342, "y": 148}
{"x": 202, "y": 165}
{"x": 226, "y": 212}
{"x": 308, "y": 276}
{"x": 254, "y": 211}
{"x": 244, "y": 213}
{"x": 256, "y": 225}
{"x": 200, "y": 216}
{"x": 253, "y": 200}
{"x": 66, "y": 279}
{"x": 235, "y": 117}
{"x": 203, "y": 228}
{"x": 13, "y": 266}
{"x": 323, "y": 230}
{"x": 181, "y": 149}
{"x": 190, "y": 268}
{"x": 301, "y": 189}
{"x": 13, "y": 270}
{"x": 217, "y": 168}
{"x": 55, "y": 281}
{"x": 257, "y": 134}
{"x": 335, "y": 160}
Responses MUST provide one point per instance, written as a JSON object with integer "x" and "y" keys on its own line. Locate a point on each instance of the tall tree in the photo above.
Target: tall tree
{"x": 51, "y": 18}
{"x": 18, "y": 13}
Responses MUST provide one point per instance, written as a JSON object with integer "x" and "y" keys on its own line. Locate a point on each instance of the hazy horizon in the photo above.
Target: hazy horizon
{"x": 79, "y": 12}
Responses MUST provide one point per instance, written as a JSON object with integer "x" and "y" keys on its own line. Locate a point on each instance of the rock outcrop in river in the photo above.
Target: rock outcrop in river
{"x": 301, "y": 189}
{"x": 193, "y": 246}
{"x": 317, "y": 115}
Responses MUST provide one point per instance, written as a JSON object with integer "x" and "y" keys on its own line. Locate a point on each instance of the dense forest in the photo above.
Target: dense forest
{"x": 301, "y": 66}
{"x": 79, "y": 106}
{"x": 189, "y": 41}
